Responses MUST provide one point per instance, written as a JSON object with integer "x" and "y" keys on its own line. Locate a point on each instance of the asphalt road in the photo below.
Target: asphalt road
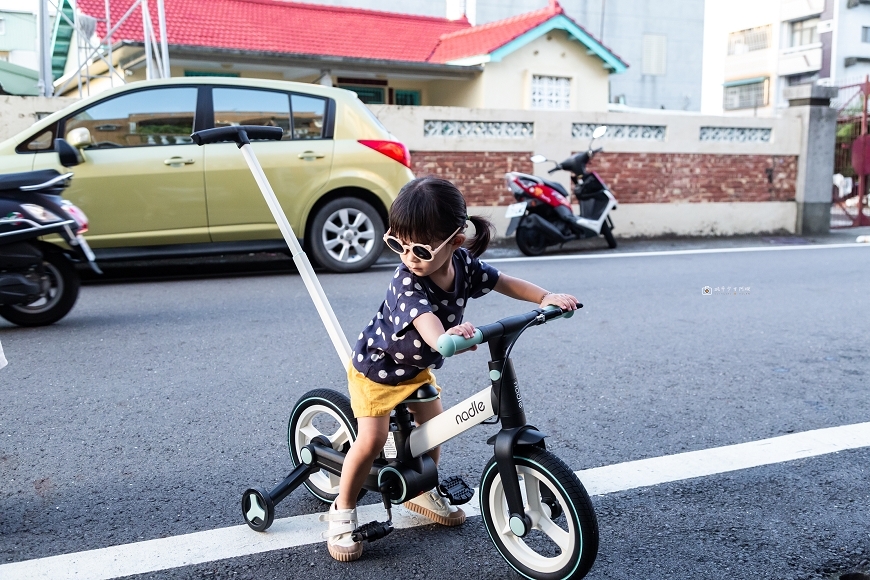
{"x": 164, "y": 394}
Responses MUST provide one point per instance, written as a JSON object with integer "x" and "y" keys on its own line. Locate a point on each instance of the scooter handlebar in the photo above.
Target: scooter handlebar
{"x": 239, "y": 134}
{"x": 450, "y": 344}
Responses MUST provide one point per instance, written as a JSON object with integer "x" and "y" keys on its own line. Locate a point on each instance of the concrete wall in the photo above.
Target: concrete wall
{"x": 676, "y": 183}
{"x": 19, "y": 113}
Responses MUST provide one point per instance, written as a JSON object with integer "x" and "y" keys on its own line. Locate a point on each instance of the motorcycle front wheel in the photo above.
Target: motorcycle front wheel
{"x": 62, "y": 292}
{"x": 607, "y": 232}
{"x": 563, "y": 542}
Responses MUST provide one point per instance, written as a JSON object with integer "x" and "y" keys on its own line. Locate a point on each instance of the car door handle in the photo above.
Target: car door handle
{"x": 178, "y": 161}
{"x": 310, "y": 155}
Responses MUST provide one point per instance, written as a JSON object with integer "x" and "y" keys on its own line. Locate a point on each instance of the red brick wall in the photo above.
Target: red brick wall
{"x": 633, "y": 177}
{"x": 479, "y": 175}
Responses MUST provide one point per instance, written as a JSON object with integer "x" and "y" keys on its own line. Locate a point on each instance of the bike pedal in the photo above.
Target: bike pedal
{"x": 456, "y": 490}
{"x": 372, "y": 531}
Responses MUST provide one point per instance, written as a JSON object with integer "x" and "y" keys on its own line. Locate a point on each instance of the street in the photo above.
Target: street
{"x": 149, "y": 409}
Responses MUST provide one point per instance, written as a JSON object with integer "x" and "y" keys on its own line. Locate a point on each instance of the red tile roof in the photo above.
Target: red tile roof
{"x": 284, "y": 27}
{"x": 484, "y": 39}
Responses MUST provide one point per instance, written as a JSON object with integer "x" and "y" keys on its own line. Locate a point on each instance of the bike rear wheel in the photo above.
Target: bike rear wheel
{"x": 563, "y": 542}
{"x": 321, "y": 413}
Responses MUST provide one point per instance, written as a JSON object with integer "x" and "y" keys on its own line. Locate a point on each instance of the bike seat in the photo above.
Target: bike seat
{"x": 557, "y": 186}
{"x": 424, "y": 394}
{"x": 13, "y": 181}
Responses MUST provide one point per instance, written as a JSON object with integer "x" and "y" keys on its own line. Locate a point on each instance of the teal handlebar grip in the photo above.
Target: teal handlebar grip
{"x": 450, "y": 344}
{"x": 567, "y": 314}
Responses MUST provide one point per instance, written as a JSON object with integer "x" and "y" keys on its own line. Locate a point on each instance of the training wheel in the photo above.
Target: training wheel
{"x": 258, "y": 509}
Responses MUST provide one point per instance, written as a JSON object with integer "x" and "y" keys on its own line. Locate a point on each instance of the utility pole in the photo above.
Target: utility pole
{"x": 45, "y": 83}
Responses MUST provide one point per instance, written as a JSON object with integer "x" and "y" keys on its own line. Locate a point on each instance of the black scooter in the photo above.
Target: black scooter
{"x": 543, "y": 215}
{"x": 38, "y": 281}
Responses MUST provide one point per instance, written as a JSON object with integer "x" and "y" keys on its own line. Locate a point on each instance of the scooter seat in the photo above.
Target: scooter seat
{"x": 14, "y": 181}
{"x": 424, "y": 394}
{"x": 557, "y": 186}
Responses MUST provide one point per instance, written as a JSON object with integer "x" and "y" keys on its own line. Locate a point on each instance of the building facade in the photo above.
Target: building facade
{"x": 784, "y": 43}
{"x": 662, "y": 40}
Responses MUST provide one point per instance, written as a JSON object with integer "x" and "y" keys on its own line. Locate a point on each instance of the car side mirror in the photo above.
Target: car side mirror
{"x": 80, "y": 138}
{"x": 69, "y": 155}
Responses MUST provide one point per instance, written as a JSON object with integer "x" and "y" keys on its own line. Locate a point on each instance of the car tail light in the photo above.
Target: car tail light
{"x": 392, "y": 149}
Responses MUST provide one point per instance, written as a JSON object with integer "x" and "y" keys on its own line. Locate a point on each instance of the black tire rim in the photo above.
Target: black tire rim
{"x": 56, "y": 288}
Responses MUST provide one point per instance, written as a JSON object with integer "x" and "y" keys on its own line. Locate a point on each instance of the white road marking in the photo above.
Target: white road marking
{"x": 676, "y": 252}
{"x": 236, "y": 541}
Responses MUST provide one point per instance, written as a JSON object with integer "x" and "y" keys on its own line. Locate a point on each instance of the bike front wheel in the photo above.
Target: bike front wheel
{"x": 563, "y": 542}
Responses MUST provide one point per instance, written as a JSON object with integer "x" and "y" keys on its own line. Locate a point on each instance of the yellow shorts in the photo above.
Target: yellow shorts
{"x": 371, "y": 399}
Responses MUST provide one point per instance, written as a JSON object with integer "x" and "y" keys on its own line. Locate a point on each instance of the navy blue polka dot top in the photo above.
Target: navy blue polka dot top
{"x": 389, "y": 349}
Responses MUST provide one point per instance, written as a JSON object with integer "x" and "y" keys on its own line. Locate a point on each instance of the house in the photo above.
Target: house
{"x": 538, "y": 60}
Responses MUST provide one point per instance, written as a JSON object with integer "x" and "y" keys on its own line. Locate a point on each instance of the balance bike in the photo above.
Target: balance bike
{"x": 534, "y": 507}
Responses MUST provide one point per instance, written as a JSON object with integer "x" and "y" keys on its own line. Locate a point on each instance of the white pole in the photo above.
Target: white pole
{"x": 333, "y": 328}
{"x": 45, "y": 76}
{"x": 164, "y": 42}
{"x": 146, "y": 22}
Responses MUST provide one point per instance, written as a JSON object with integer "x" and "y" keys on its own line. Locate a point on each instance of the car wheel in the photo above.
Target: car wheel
{"x": 347, "y": 235}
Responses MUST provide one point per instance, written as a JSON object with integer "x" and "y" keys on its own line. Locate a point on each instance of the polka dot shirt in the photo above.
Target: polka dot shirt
{"x": 390, "y": 350}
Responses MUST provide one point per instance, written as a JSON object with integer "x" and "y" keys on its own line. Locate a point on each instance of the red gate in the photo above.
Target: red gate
{"x": 852, "y": 158}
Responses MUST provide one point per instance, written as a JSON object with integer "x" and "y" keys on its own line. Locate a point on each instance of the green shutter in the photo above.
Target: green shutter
{"x": 404, "y": 97}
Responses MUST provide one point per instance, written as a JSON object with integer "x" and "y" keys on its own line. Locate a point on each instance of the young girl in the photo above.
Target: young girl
{"x": 396, "y": 351}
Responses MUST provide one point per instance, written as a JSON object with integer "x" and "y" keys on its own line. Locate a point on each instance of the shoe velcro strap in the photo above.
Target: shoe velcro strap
{"x": 338, "y": 530}
{"x": 339, "y": 516}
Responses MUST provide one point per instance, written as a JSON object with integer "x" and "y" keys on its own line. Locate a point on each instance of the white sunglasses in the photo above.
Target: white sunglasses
{"x": 422, "y": 251}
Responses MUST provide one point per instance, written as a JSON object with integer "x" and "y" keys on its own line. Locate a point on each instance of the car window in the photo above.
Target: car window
{"x": 151, "y": 117}
{"x": 308, "y": 115}
{"x": 252, "y": 107}
{"x": 43, "y": 141}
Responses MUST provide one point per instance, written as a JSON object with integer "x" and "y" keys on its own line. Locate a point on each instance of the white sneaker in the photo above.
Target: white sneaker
{"x": 338, "y": 536}
{"x": 437, "y": 508}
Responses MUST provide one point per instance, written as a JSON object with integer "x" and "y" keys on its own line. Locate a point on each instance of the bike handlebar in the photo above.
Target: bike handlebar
{"x": 450, "y": 344}
{"x": 239, "y": 134}
{"x": 555, "y": 169}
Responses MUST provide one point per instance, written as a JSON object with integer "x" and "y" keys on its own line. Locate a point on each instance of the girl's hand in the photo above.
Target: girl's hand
{"x": 465, "y": 330}
{"x": 563, "y": 301}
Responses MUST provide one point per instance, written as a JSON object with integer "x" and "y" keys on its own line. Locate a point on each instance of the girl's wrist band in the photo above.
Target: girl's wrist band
{"x": 544, "y": 296}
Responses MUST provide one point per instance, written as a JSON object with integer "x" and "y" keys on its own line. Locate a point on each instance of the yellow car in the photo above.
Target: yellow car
{"x": 149, "y": 191}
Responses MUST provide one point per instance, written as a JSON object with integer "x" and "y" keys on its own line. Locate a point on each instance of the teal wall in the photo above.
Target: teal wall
{"x": 20, "y": 31}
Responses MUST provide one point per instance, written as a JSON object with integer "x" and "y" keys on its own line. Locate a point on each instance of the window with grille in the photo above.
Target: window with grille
{"x": 404, "y": 97}
{"x": 551, "y": 92}
{"x": 804, "y": 32}
{"x": 368, "y": 95}
{"x": 655, "y": 54}
{"x": 744, "y": 41}
{"x": 746, "y": 95}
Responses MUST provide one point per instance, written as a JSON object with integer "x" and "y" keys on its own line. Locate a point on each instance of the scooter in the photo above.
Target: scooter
{"x": 38, "y": 281}
{"x": 543, "y": 216}
{"x": 536, "y": 510}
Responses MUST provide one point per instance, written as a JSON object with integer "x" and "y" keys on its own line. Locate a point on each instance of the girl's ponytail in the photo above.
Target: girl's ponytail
{"x": 483, "y": 232}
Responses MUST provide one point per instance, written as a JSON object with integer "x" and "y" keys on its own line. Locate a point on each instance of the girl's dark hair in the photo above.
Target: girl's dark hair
{"x": 428, "y": 209}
